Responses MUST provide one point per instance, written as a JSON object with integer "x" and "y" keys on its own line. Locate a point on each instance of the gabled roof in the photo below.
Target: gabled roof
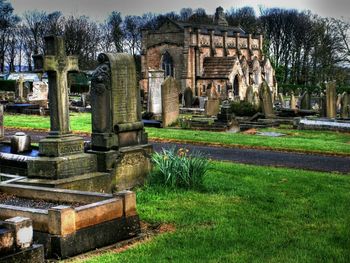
{"x": 218, "y": 67}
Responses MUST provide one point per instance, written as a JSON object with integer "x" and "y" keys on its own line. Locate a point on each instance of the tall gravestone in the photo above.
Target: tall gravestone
{"x": 305, "y": 101}
{"x": 249, "y": 97}
{"x": 118, "y": 137}
{"x": 293, "y": 101}
{"x": 281, "y": 100}
{"x": 331, "y": 100}
{"x": 323, "y": 105}
{"x": 266, "y": 100}
{"x": 155, "y": 80}
{"x": 61, "y": 153}
{"x": 188, "y": 97}
{"x": 256, "y": 99}
{"x": 345, "y": 105}
{"x": 20, "y": 89}
{"x": 2, "y": 132}
{"x": 170, "y": 101}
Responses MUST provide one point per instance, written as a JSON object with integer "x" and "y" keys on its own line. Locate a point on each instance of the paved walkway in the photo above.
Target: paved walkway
{"x": 251, "y": 156}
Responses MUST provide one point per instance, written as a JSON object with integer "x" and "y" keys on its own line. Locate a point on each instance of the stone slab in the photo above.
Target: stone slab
{"x": 62, "y": 146}
{"x": 34, "y": 254}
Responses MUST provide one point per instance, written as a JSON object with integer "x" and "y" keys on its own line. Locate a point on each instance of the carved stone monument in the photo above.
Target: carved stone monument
{"x": 266, "y": 100}
{"x": 20, "y": 89}
{"x": 331, "y": 100}
{"x": 155, "y": 80}
{"x": 170, "y": 101}
{"x": 118, "y": 136}
{"x": 61, "y": 153}
{"x": 40, "y": 94}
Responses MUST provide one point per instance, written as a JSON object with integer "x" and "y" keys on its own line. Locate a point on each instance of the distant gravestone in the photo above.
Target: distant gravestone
{"x": 331, "y": 97}
{"x": 293, "y": 101}
{"x": 338, "y": 103}
{"x": 20, "y": 89}
{"x": 256, "y": 99}
{"x": 345, "y": 106}
{"x": 202, "y": 101}
{"x": 116, "y": 113}
{"x": 188, "y": 97}
{"x": 212, "y": 107}
{"x": 170, "y": 101}
{"x": 305, "y": 101}
{"x": 155, "y": 80}
{"x": 281, "y": 100}
{"x": 266, "y": 100}
{"x": 249, "y": 97}
{"x": 323, "y": 105}
{"x": 40, "y": 94}
{"x": 2, "y": 133}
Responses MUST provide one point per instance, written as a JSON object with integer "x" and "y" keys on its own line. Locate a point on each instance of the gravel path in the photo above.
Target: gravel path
{"x": 249, "y": 156}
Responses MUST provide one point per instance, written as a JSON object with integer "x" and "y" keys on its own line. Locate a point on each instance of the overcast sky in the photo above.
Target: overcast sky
{"x": 99, "y": 9}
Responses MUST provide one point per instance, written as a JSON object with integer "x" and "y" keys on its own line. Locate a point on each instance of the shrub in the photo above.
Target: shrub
{"x": 243, "y": 108}
{"x": 179, "y": 169}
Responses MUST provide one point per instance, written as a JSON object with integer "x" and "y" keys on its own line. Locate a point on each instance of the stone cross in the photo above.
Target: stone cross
{"x": 57, "y": 64}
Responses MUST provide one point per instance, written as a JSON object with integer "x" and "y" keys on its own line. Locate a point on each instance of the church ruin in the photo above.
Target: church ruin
{"x": 205, "y": 56}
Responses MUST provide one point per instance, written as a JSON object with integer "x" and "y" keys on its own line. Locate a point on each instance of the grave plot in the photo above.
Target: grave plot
{"x": 62, "y": 218}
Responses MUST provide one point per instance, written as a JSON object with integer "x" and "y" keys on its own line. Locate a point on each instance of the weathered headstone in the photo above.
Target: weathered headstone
{"x": 202, "y": 101}
{"x": 188, "y": 97}
{"x": 155, "y": 80}
{"x": 2, "y": 132}
{"x": 281, "y": 100}
{"x": 266, "y": 100}
{"x": 20, "y": 89}
{"x": 256, "y": 99}
{"x": 118, "y": 137}
{"x": 249, "y": 97}
{"x": 323, "y": 105}
{"x": 40, "y": 94}
{"x": 170, "y": 101}
{"x": 331, "y": 96}
{"x": 305, "y": 101}
{"x": 345, "y": 106}
{"x": 338, "y": 103}
{"x": 212, "y": 107}
{"x": 293, "y": 101}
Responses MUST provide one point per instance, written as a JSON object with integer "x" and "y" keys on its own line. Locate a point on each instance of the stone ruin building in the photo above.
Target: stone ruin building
{"x": 205, "y": 56}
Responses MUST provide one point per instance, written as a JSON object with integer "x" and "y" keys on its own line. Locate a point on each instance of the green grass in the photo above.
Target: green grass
{"x": 311, "y": 141}
{"x": 247, "y": 214}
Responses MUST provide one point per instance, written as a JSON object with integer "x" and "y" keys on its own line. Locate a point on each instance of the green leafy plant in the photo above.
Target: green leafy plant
{"x": 243, "y": 108}
{"x": 179, "y": 168}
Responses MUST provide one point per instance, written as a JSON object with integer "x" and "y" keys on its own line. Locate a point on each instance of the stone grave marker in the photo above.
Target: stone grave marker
{"x": 188, "y": 97}
{"x": 345, "y": 106}
{"x": 118, "y": 137}
{"x": 212, "y": 107}
{"x": 293, "y": 101}
{"x": 281, "y": 100}
{"x": 20, "y": 89}
{"x": 305, "y": 101}
{"x": 323, "y": 105}
{"x": 331, "y": 100}
{"x": 266, "y": 100}
{"x": 249, "y": 97}
{"x": 40, "y": 93}
{"x": 170, "y": 101}
{"x": 256, "y": 99}
{"x": 202, "y": 101}
{"x": 338, "y": 103}
{"x": 155, "y": 80}
{"x": 2, "y": 132}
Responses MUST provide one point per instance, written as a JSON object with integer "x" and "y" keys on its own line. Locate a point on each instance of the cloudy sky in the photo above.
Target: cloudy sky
{"x": 99, "y": 9}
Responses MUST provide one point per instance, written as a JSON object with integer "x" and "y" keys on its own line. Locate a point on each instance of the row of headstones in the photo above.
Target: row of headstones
{"x": 329, "y": 103}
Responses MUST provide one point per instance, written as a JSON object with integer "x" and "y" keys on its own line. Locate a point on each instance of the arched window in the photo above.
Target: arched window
{"x": 236, "y": 86}
{"x": 167, "y": 65}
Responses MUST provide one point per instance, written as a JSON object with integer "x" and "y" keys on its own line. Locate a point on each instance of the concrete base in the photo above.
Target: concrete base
{"x": 61, "y": 167}
{"x": 92, "y": 182}
{"x": 132, "y": 167}
{"x": 34, "y": 254}
{"x": 88, "y": 238}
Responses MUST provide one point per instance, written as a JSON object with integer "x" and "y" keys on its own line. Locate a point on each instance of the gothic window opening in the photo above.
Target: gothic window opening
{"x": 168, "y": 65}
{"x": 236, "y": 86}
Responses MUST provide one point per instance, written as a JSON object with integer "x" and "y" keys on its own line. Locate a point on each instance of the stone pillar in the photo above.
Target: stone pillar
{"x": 226, "y": 52}
{"x": 261, "y": 42}
{"x": 185, "y": 76}
{"x": 155, "y": 80}
{"x": 293, "y": 101}
{"x": 331, "y": 97}
{"x": 323, "y": 105}
{"x": 238, "y": 51}
{"x": 198, "y": 54}
{"x": 212, "y": 44}
{"x": 20, "y": 89}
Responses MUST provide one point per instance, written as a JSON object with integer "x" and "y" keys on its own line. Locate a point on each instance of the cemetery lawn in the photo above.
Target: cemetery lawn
{"x": 325, "y": 142}
{"x": 246, "y": 213}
